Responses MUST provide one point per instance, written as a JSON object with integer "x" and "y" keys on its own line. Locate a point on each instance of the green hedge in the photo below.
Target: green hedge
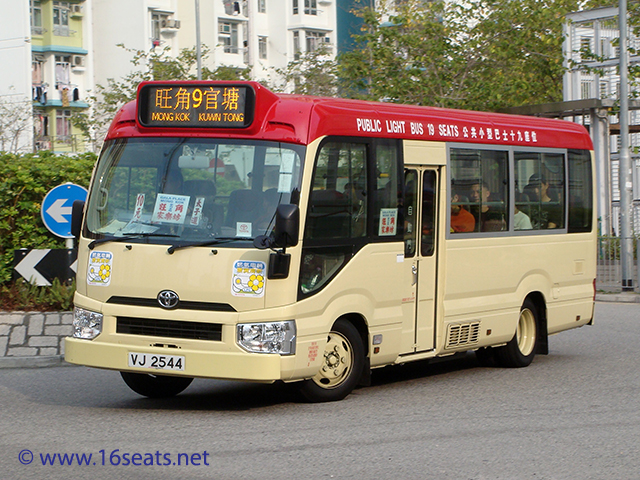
{"x": 24, "y": 182}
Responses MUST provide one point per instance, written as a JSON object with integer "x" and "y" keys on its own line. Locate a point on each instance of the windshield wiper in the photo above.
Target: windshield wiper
{"x": 207, "y": 243}
{"x": 128, "y": 236}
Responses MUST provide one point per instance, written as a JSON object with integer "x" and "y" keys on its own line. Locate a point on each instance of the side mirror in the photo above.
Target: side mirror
{"x": 76, "y": 218}
{"x": 285, "y": 233}
{"x": 287, "y": 226}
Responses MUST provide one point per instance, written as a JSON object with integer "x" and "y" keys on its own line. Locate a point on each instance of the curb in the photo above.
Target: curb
{"x": 629, "y": 297}
{"x": 33, "y": 362}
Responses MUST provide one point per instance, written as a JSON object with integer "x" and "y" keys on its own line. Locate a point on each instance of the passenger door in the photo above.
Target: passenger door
{"x": 421, "y": 220}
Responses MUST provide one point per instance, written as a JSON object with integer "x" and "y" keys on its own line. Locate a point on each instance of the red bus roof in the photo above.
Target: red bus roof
{"x": 302, "y": 119}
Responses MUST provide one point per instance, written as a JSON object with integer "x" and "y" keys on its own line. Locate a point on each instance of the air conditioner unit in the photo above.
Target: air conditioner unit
{"x": 78, "y": 61}
{"x": 170, "y": 24}
{"x": 224, "y": 28}
{"x": 76, "y": 9}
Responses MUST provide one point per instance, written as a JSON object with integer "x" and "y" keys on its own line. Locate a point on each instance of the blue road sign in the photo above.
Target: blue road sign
{"x": 56, "y": 208}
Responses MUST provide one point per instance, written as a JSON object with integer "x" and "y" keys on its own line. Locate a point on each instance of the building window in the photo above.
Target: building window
{"x": 314, "y": 40}
{"x": 37, "y": 63}
{"x": 63, "y": 70}
{"x": 310, "y": 7}
{"x": 604, "y": 89}
{"x": 585, "y": 89}
{"x": 61, "y": 19}
{"x": 262, "y": 47}
{"x": 295, "y": 7}
{"x": 585, "y": 44}
{"x": 63, "y": 125}
{"x": 296, "y": 45}
{"x": 36, "y": 17}
{"x": 158, "y": 21}
{"x": 228, "y": 36}
{"x": 262, "y": 6}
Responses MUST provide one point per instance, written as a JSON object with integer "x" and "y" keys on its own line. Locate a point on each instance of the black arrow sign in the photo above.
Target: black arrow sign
{"x": 41, "y": 266}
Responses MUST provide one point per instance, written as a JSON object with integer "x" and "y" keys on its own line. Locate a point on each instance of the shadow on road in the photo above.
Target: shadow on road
{"x": 103, "y": 389}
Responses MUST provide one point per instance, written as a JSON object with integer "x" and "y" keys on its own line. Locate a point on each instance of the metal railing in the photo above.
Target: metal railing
{"x": 61, "y": 143}
{"x": 609, "y": 273}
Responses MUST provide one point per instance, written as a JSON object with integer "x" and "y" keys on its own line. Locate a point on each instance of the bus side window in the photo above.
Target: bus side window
{"x": 387, "y": 214}
{"x": 543, "y": 198}
{"x": 338, "y": 201}
{"x": 580, "y": 191}
{"x": 410, "y": 212}
{"x": 428, "y": 212}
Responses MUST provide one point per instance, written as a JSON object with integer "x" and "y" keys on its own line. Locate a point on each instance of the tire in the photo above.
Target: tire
{"x": 342, "y": 366}
{"x": 519, "y": 352}
{"x": 155, "y": 386}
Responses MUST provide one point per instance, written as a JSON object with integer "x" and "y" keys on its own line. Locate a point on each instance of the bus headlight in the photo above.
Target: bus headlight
{"x": 271, "y": 337}
{"x": 86, "y": 324}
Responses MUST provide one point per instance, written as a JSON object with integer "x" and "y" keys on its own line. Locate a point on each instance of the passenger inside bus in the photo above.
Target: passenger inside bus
{"x": 521, "y": 220}
{"x": 548, "y": 213}
{"x": 488, "y": 218}
{"x": 461, "y": 219}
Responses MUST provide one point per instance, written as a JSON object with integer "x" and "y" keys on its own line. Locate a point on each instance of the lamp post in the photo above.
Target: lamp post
{"x": 626, "y": 177}
{"x": 198, "y": 53}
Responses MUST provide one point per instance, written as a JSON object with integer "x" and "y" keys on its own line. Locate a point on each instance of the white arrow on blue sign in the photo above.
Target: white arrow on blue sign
{"x": 56, "y": 208}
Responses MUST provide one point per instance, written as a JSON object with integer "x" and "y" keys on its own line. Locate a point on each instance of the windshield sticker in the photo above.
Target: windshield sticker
{"x": 286, "y": 172}
{"x": 248, "y": 279}
{"x": 388, "y": 221}
{"x": 243, "y": 229}
{"x": 196, "y": 216}
{"x": 137, "y": 212}
{"x": 99, "y": 271}
{"x": 170, "y": 208}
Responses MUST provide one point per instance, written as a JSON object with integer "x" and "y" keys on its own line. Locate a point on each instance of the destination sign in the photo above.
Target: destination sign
{"x": 195, "y": 105}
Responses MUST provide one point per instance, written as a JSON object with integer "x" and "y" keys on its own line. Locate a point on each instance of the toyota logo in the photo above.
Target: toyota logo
{"x": 168, "y": 299}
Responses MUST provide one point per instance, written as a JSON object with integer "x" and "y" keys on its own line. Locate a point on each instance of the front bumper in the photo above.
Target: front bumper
{"x": 223, "y": 365}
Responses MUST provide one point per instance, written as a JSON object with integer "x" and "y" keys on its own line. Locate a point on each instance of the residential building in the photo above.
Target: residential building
{"x": 15, "y": 80}
{"x": 61, "y": 50}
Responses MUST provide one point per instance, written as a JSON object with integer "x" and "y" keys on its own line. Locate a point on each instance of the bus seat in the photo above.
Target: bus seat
{"x": 206, "y": 189}
{"x": 329, "y": 215}
{"x": 199, "y": 188}
{"x": 244, "y": 206}
{"x": 271, "y": 198}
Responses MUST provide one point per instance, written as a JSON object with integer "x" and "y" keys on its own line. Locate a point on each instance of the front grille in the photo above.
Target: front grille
{"x": 169, "y": 328}
{"x": 185, "y": 305}
{"x": 463, "y": 334}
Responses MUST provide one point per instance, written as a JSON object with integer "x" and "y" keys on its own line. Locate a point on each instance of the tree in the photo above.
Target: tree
{"x": 411, "y": 55}
{"x": 15, "y": 123}
{"x": 474, "y": 54}
{"x": 313, "y": 73}
{"x": 519, "y": 52}
{"x": 150, "y": 65}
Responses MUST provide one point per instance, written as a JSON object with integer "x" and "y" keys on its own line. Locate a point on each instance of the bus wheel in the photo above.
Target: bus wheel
{"x": 155, "y": 386}
{"x": 343, "y": 361}
{"x": 519, "y": 352}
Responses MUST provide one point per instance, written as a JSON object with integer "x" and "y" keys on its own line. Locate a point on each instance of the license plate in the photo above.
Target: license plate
{"x": 156, "y": 362}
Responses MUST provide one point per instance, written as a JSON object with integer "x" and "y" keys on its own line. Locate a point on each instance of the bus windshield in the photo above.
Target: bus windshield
{"x": 189, "y": 190}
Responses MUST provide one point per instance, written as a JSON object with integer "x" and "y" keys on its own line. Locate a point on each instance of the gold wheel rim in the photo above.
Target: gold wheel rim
{"x": 526, "y": 332}
{"x": 337, "y": 363}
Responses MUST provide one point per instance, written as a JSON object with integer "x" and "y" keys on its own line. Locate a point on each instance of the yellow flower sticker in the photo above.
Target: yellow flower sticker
{"x": 99, "y": 270}
{"x": 248, "y": 279}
